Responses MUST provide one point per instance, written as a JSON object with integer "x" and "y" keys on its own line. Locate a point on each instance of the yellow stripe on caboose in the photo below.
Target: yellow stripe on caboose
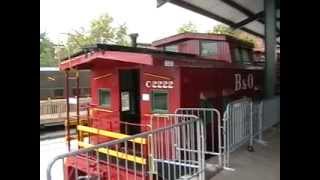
{"x": 109, "y": 134}
{"x": 117, "y": 154}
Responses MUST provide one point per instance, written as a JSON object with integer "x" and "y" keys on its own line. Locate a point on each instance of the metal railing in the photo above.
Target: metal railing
{"x": 55, "y": 111}
{"x": 245, "y": 121}
{"x": 59, "y": 106}
{"x": 123, "y": 126}
{"x": 212, "y": 131}
{"x": 238, "y": 122}
{"x": 169, "y": 152}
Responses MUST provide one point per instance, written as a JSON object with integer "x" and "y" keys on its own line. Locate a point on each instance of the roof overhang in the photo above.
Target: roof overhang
{"x": 80, "y": 62}
{"x": 199, "y": 36}
{"x": 247, "y": 15}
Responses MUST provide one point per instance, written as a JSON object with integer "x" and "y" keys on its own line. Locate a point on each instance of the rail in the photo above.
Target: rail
{"x": 108, "y": 133}
{"x": 212, "y": 131}
{"x": 245, "y": 121}
{"x": 55, "y": 111}
{"x": 124, "y": 159}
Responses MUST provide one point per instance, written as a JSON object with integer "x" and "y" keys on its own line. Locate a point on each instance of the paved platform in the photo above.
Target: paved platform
{"x": 262, "y": 164}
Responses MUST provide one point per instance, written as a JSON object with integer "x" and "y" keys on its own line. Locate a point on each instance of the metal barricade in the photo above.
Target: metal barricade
{"x": 168, "y": 152}
{"x": 257, "y": 120}
{"x": 238, "y": 127}
{"x": 238, "y": 123}
{"x": 245, "y": 121}
{"x": 212, "y": 130}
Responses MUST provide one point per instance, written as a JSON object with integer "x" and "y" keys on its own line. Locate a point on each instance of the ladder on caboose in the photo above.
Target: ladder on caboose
{"x": 67, "y": 97}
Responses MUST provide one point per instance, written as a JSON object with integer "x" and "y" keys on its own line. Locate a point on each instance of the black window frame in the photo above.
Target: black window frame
{"x": 86, "y": 91}
{"x": 55, "y": 94}
{"x": 153, "y": 92}
{"x": 99, "y": 97}
{"x": 208, "y": 41}
{"x": 248, "y": 55}
{"x": 241, "y": 55}
{"x": 175, "y": 45}
{"x": 74, "y": 91}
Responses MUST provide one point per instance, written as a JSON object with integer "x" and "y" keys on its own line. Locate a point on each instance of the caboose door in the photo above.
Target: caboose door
{"x": 129, "y": 101}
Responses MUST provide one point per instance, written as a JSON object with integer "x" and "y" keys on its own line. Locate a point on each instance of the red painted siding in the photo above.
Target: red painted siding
{"x": 174, "y": 93}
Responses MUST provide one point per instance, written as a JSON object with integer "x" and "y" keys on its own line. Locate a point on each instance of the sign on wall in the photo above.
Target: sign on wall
{"x": 168, "y": 63}
{"x": 72, "y": 100}
{"x": 125, "y": 101}
{"x": 146, "y": 97}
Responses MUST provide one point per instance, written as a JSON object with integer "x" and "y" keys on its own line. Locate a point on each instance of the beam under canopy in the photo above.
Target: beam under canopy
{"x": 248, "y": 20}
{"x": 244, "y": 10}
{"x": 199, "y": 10}
{"x": 161, "y": 2}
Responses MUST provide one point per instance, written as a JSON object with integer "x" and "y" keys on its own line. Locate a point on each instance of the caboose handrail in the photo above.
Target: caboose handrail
{"x": 117, "y": 154}
{"x": 129, "y": 138}
{"x": 109, "y": 134}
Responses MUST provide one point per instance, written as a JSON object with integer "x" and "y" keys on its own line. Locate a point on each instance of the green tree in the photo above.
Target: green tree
{"x": 77, "y": 40}
{"x": 47, "y": 51}
{"x": 223, "y": 29}
{"x": 100, "y": 31}
{"x": 121, "y": 35}
{"x": 188, "y": 27}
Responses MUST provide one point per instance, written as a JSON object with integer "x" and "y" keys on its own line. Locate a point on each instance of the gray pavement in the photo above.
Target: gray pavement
{"x": 262, "y": 164}
{"x": 55, "y": 134}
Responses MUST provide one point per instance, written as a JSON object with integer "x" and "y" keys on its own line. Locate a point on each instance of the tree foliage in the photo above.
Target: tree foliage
{"x": 223, "y": 29}
{"x": 188, "y": 27}
{"x": 101, "y": 30}
{"x": 47, "y": 51}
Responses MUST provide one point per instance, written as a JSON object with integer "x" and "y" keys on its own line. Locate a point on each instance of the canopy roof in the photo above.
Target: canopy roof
{"x": 247, "y": 15}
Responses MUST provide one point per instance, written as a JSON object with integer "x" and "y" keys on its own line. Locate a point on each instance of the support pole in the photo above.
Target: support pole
{"x": 78, "y": 96}
{"x": 68, "y": 108}
{"x": 270, "y": 47}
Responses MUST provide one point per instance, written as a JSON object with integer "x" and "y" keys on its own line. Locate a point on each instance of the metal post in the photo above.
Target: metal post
{"x": 270, "y": 47}
{"x": 68, "y": 107}
{"x": 260, "y": 120}
{"x": 260, "y": 128}
{"x": 78, "y": 95}
{"x": 250, "y": 148}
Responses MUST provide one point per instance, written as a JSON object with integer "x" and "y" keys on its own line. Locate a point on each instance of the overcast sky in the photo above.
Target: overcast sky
{"x": 141, "y": 16}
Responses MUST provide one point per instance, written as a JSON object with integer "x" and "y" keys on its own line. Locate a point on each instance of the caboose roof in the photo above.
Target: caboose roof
{"x": 114, "y": 53}
{"x": 199, "y": 36}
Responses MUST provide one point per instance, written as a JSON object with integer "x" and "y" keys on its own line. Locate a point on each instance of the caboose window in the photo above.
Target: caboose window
{"x": 245, "y": 55}
{"x": 74, "y": 91}
{"x": 208, "y": 48}
{"x": 86, "y": 91}
{"x": 237, "y": 55}
{"x": 159, "y": 101}
{"x": 172, "y": 48}
{"x": 241, "y": 55}
{"x": 104, "y": 97}
{"x": 58, "y": 93}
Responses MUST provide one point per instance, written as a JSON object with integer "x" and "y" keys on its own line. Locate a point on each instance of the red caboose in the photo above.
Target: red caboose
{"x": 128, "y": 84}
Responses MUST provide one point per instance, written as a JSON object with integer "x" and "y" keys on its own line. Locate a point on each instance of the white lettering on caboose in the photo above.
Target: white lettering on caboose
{"x": 159, "y": 84}
{"x": 243, "y": 83}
